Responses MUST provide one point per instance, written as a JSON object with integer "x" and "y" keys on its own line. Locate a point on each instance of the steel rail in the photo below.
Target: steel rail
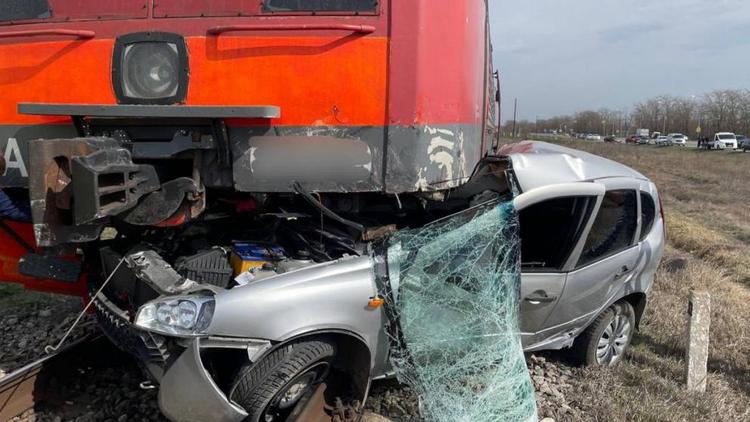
{"x": 23, "y": 389}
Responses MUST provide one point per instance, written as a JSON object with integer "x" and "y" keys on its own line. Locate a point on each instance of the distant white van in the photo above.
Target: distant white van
{"x": 725, "y": 140}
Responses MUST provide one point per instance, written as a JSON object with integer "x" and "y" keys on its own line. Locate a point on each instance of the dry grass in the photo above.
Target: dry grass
{"x": 705, "y": 197}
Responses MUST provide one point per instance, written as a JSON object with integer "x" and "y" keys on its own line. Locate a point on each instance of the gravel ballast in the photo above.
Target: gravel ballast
{"x": 31, "y": 321}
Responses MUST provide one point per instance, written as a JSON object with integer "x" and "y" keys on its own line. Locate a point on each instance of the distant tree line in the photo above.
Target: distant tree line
{"x": 717, "y": 111}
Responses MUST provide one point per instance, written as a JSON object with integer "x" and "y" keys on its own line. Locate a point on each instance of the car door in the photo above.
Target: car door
{"x": 605, "y": 261}
{"x": 552, "y": 222}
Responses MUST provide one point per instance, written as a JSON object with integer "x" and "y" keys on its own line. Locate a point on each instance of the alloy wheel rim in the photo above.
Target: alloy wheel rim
{"x": 614, "y": 340}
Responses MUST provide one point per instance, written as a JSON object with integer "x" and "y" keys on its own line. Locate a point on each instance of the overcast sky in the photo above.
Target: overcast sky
{"x": 562, "y": 56}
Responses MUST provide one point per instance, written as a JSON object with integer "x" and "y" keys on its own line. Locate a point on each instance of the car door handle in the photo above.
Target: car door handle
{"x": 625, "y": 270}
{"x": 536, "y": 300}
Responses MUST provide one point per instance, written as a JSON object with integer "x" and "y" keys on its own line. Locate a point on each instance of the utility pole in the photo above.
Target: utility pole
{"x": 515, "y": 114}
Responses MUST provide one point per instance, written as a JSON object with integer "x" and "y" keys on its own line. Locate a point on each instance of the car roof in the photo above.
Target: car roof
{"x": 538, "y": 164}
{"x": 724, "y": 133}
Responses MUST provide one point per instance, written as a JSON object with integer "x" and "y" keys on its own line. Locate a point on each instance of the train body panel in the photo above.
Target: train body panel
{"x": 415, "y": 80}
{"x": 359, "y": 97}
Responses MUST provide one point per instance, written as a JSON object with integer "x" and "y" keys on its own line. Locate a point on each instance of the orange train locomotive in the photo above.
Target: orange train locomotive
{"x": 158, "y": 148}
{"x": 150, "y": 115}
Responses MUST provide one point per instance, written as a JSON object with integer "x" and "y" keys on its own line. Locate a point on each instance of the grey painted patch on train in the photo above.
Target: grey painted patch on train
{"x": 405, "y": 159}
{"x": 321, "y": 158}
{"x": 431, "y": 158}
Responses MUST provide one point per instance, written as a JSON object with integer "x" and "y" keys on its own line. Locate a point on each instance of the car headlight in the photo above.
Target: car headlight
{"x": 150, "y": 68}
{"x": 182, "y": 316}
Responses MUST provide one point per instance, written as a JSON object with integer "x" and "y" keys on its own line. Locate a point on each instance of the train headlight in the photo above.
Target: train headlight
{"x": 150, "y": 68}
{"x": 181, "y": 316}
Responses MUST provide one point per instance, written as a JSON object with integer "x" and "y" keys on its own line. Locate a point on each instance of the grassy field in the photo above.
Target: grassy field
{"x": 706, "y": 197}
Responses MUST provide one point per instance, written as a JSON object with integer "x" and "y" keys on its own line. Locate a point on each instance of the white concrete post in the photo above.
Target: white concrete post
{"x": 696, "y": 361}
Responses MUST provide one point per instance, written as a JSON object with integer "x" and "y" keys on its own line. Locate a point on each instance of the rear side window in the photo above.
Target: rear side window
{"x": 320, "y": 5}
{"x": 648, "y": 214}
{"x": 614, "y": 228}
{"x": 550, "y": 230}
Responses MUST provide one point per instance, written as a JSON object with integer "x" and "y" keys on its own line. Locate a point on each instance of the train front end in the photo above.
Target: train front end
{"x": 167, "y": 148}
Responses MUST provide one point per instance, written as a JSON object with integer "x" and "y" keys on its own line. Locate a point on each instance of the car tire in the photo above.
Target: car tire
{"x": 270, "y": 389}
{"x": 597, "y": 346}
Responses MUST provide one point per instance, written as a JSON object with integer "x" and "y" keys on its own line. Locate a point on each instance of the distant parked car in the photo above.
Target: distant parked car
{"x": 633, "y": 139}
{"x": 728, "y": 139}
{"x": 661, "y": 140}
{"x": 593, "y": 137}
{"x": 743, "y": 142}
{"x": 644, "y": 140}
{"x": 677, "y": 139}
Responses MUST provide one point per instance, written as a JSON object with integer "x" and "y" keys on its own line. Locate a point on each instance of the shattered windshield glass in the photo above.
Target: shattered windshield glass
{"x": 454, "y": 316}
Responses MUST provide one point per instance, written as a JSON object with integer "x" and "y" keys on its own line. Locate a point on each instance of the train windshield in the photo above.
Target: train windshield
{"x": 65, "y": 10}
{"x": 321, "y": 5}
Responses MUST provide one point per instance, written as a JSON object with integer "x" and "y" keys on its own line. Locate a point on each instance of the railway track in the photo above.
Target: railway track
{"x": 29, "y": 387}
{"x": 68, "y": 384}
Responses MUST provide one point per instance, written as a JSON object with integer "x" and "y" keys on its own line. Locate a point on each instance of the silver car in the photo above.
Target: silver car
{"x": 592, "y": 235}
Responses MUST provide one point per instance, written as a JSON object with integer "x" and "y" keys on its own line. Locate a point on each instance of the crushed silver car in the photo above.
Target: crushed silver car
{"x": 284, "y": 314}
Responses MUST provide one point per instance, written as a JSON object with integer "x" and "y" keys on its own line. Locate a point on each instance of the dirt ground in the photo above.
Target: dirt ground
{"x": 706, "y": 197}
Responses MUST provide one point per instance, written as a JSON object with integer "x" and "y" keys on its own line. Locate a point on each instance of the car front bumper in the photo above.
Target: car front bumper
{"x": 188, "y": 393}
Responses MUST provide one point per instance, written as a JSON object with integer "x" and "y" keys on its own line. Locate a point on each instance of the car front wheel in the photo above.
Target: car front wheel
{"x": 606, "y": 340}
{"x": 271, "y": 389}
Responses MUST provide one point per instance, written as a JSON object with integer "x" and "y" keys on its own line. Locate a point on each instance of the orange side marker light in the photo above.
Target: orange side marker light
{"x": 376, "y": 302}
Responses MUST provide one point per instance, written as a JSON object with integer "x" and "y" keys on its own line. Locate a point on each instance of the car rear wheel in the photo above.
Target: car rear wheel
{"x": 271, "y": 389}
{"x": 606, "y": 340}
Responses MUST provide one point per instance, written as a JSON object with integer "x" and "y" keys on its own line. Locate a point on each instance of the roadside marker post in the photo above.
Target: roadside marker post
{"x": 696, "y": 361}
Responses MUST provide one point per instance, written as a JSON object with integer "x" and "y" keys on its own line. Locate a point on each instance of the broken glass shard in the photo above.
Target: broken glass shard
{"x": 453, "y": 308}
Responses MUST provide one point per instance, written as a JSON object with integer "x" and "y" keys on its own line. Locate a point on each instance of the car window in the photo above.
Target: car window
{"x": 550, "y": 230}
{"x": 614, "y": 227}
{"x": 648, "y": 214}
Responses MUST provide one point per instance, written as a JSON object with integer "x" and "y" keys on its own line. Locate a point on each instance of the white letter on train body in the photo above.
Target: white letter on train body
{"x": 12, "y": 150}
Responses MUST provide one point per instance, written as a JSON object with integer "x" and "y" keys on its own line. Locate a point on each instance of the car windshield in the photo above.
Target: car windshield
{"x": 726, "y": 137}
{"x": 454, "y": 316}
